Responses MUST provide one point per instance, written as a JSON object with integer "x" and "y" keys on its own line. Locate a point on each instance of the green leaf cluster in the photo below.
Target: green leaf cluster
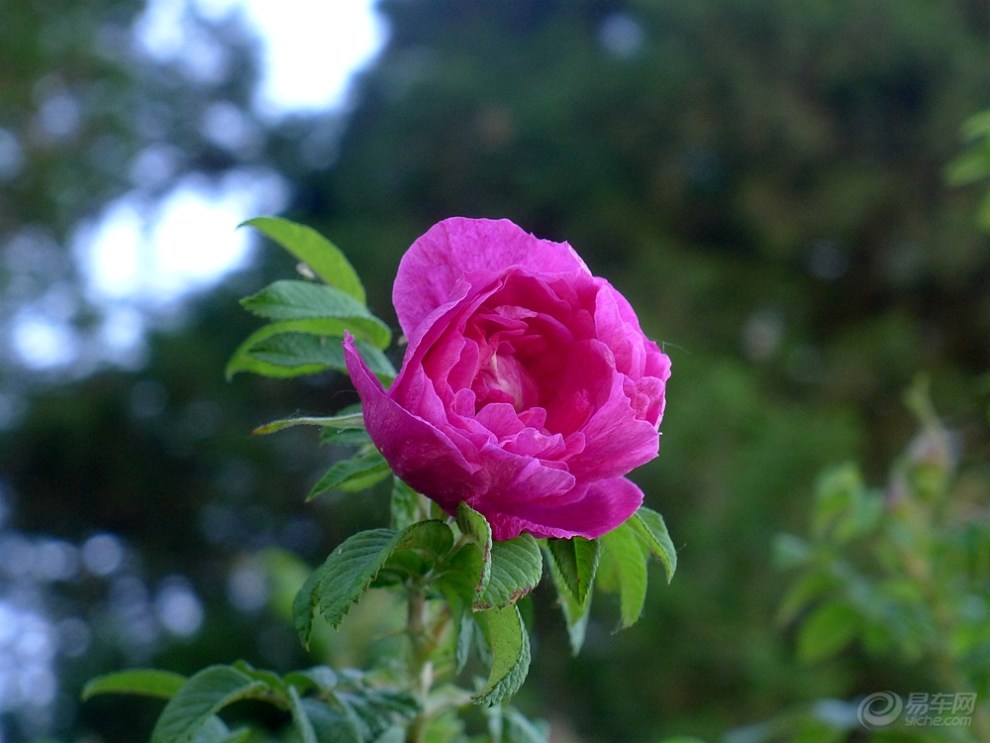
{"x": 321, "y": 704}
{"x": 480, "y": 582}
{"x": 307, "y": 322}
{"x": 898, "y": 572}
{"x": 307, "y": 319}
{"x": 453, "y": 563}
{"x": 617, "y": 561}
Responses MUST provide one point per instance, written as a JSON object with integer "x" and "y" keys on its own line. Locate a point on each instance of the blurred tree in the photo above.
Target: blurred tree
{"x": 96, "y": 107}
{"x": 763, "y": 179}
{"x": 116, "y": 485}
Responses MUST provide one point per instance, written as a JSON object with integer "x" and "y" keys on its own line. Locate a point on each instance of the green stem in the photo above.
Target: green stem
{"x": 420, "y": 665}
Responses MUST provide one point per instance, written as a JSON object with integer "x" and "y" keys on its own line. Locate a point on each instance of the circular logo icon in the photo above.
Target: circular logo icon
{"x": 879, "y": 709}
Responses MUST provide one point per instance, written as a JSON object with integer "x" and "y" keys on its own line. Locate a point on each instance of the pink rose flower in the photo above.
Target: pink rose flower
{"x": 527, "y": 390}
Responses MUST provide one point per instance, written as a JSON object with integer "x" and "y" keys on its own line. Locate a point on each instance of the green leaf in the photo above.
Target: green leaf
{"x": 144, "y": 681}
{"x": 375, "y": 711}
{"x": 800, "y": 594}
{"x": 360, "y": 472}
{"x": 287, "y": 300}
{"x": 272, "y": 681}
{"x": 318, "y": 678}
{"x": 838, "y": 494}
{"x": 292, "y": 350}
{"x": 969, "y": 167}
{"x": 394, "y": 734}
{"x": 508, "y": 642}
{"x": 826, "y": 631}
{"x": 576, "y": 560}
{"x": 790, "y": 551}
{"x": 476, "y": 528}
{"x": 200, "y": 698}
{"x": 349, "y": 571}
{"x": 300, "y": 719}
{"x": 338, "y": 422}
{"x": 623, "y": 566}
{"x": 345, "y": 437}
{"x": 243, "y": 359}
{"x": 575, "y": 614}
{"x": 353, "y": 566}
{"x": 650, "y": 526}
{"x": 309, "y": 246}
{"x": 431, "y": 540}
{"x": 516, "y": 569}
{"x": 465, "y": 626}
{"x": 303, "y": 605}
{"x": 404, "y": 504}
{"x": 300, "y": 349}
{"x": 423, "y": 546}
{"x": 519, "y": 729}
{"x": 977, "y": 126}
{"x": 215, "y": 730}
{"x": 573, "y": 567}
{"x": 460, "y": 575}
{"x": 330, "y": 724}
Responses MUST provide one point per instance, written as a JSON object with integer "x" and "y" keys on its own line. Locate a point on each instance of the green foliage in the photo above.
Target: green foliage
{"x": 625, "y": 552}
{"x": 147, "y": 681}
{"x": 899, "y": 573}
{"x": 322, "y": 705}
{"x": 194, "y": 705}
{"x": 973, "y": 165}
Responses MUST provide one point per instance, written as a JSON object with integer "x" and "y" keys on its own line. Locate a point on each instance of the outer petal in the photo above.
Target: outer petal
{"x": 474, "y": 249}
{"x": 605, "y": 505}
{"x": 417, "y": 451}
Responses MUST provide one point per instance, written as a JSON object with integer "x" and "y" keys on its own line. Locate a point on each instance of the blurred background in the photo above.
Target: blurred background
{"x": 764, "y": 179}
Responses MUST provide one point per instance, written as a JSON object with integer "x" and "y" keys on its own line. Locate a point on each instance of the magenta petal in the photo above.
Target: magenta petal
{"x": 604, "y": 506}
{"x": 476, "y": 249}
{"x": 416, "y": 451}
{"x": 615, "y": 441}
{"x": 514, "y": 479}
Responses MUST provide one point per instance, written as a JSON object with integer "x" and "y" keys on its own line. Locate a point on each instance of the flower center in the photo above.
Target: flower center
{"x": 503, "y": 378}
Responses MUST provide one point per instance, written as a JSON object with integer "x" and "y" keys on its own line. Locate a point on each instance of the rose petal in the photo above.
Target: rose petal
{"x": 616, "y": 442}
{"x": 515, "y": 481}
{"x": 602, "y": 507}
{"x": 417, "y": 451}
{"x": 476, "y": 249}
